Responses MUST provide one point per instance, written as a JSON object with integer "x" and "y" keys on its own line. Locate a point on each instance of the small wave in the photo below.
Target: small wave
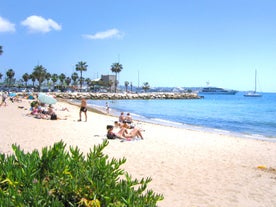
{"x": 136, "y": 115}
{"x": 221, "y": 131}
{"x": 166, "y": 122}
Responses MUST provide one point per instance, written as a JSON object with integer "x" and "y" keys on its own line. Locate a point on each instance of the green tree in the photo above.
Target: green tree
{"x": 62, "y": 77}
{"x": 81, "y": 66}
{"x": 116, "y": 68}
{"x": 48, "y": 78}
{"x": 54, "y": 78}
{"x": 40, "y": 74}
{"x": 10, "y": 74}
{"x": 32, "y": 77}
{"x": 1, "y": 75}
{"x": 146, "y": 86}
{"x": 26, "y": 77}
{"x": 75, "y": 77}
{"x": 126, "y": 85}
{"x": 68, "y": 81}
{"x": 88, "y": 81}
{"x": 131, "y": 86}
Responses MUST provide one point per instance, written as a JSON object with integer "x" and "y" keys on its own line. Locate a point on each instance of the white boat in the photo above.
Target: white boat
{"x": 216, "y": 91}
{"x": 254, "y": 93}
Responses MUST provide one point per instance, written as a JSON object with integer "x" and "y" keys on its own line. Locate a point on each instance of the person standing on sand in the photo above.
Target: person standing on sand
{"x": 107, "y": 107}
{"x": 4, "y": 97}
{"x": 83, "y": 108}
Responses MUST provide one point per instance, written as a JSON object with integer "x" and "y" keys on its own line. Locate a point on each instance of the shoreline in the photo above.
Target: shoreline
{"x": 163, "y": 122}
{"x": 190, "y": 168}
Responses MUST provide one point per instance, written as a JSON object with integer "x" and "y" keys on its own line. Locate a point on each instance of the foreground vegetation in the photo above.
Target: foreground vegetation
{"x": 58, "y": 177}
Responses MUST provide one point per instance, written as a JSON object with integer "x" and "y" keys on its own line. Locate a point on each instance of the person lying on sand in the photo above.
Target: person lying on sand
{"x": 122, "y": 133}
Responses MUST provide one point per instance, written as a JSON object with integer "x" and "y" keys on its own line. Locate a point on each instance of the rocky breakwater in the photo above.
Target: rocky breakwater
{"x": 118, "y": 96}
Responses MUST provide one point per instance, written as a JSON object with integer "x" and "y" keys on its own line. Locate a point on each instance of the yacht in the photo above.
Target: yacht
{"x": 254, "y": 93}
{"x": 216, "y": 91}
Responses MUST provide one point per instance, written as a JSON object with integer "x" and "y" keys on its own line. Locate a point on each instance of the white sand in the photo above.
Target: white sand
{"x": 190, "y": 168}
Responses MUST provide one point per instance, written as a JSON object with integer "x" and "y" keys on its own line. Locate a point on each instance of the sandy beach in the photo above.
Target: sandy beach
{"x": 190, "y": 168}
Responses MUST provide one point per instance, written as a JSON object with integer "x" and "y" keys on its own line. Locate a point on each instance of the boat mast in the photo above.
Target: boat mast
{"x": 255, "y": 81}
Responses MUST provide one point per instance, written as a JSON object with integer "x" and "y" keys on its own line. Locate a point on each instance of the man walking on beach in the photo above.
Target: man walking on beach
{"x": 83, "y": 108}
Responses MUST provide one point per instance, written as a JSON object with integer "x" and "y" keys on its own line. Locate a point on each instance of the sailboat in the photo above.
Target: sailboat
{"x": 254, "y": 93}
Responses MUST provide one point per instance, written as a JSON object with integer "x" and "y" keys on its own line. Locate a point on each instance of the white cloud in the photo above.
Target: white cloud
{"x": 104, "y": 35}
{"x": 6, "y": 26}
{"x": 39, "y": 24}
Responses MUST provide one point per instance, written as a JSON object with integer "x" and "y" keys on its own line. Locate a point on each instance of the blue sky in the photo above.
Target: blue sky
{"x": 181, "y": 43}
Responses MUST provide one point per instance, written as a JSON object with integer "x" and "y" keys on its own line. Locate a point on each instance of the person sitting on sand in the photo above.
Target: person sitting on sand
{"x": 117, "y": 125}
{"x": 128, "y": 118}
{"x": 51, "y": 109}
{"x": 35, "y": 109}
{"x": 122, "y": 125}
{"x": 121, "y": 117}
{"x": 83, "y": 108}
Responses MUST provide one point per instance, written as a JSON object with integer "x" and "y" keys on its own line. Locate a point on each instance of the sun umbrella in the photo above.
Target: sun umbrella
{"x": 43, "y": 98}
{"x": 12, "y": 94}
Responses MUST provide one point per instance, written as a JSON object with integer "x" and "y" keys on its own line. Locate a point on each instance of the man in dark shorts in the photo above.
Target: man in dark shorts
{"x": 83, "y": 108}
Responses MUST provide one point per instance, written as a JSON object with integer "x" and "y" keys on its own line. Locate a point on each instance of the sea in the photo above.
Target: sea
{"x": 236, "y": 115}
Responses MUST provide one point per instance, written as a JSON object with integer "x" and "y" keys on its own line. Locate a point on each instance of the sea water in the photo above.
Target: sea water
{"x": 234, "y": 114}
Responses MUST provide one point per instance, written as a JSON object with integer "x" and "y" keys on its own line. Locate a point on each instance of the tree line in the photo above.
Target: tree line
{"x": 41, "y": 75}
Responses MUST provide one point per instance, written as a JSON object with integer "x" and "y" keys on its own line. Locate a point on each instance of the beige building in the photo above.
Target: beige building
{"x": 109, "y": 79}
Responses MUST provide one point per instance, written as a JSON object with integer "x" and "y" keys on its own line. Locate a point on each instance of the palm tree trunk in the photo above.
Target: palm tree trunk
{"x": 115, "y": 82}
{"x": 81, "y": 81}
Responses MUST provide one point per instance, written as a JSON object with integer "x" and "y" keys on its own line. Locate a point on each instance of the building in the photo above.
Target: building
{"x": 109, "y": 79}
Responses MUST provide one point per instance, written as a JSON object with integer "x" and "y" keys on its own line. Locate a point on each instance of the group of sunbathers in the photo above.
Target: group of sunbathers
{"x": 127, "y": 119}
{"x": 123, "y": 129}
{"x": 39, "y": 111}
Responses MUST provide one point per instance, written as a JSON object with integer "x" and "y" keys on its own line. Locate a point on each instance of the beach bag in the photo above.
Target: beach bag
{"x": 53, "y": 117}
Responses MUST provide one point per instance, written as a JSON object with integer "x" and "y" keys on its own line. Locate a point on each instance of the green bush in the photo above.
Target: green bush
{"x": 58, "y": 177}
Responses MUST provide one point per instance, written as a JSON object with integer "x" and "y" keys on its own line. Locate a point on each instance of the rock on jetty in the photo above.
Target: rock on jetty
{"x": 118, "y": 96}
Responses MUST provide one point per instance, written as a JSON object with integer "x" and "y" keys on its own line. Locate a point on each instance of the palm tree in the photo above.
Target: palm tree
{"x": 48, "y": 78}
{"x": 75, "y": 77}
{"x": 26, "y": 77}
{"x": 126, "y": 85}
{"x": 1, "y": 75}
{"x": 40, "y": 74}
{"x": 32, "y": 77}
{"x": 81, "y": 66}
{"x": 54, "y": 78}
{"x": 88, "y": 81}
{"x": 61, "y": 77}
{"x": 68, "y": 81}
{"x": 1, "y": 50}
{"x": 131, "y": 86}
{"x": 116, "y": 68}
{"x": 10, "y": 74}
{"x": 146, "y": 86}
